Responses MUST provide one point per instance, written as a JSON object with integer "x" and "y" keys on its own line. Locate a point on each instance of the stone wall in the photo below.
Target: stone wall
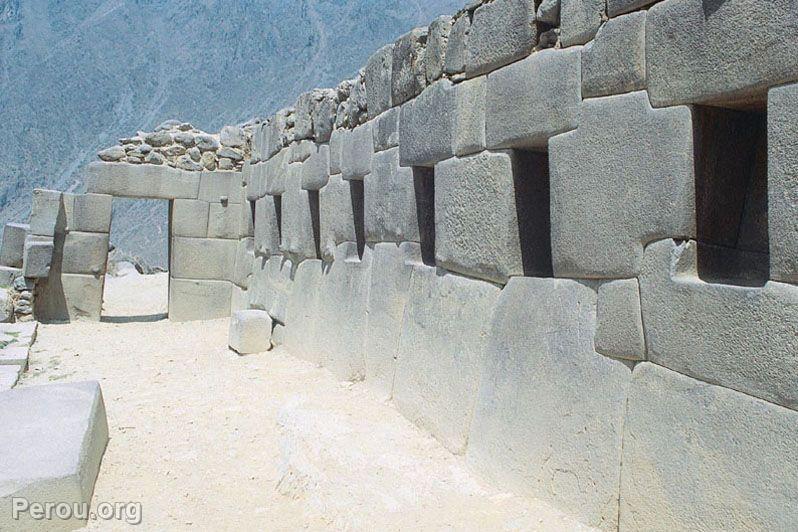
{"x": 561, "y": 236}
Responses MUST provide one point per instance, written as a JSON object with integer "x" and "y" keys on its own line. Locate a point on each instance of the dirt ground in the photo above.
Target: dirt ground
{"x": 205, "y": 439}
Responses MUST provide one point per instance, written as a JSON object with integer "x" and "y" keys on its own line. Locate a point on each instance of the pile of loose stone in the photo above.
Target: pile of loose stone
{"x": 181, "y": 145}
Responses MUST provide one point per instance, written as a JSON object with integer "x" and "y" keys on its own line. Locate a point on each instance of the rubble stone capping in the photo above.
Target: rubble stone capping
{"x": 559, "y": 235}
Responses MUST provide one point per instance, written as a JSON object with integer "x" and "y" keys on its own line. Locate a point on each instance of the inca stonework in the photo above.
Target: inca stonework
{"x": 562, "y": 236}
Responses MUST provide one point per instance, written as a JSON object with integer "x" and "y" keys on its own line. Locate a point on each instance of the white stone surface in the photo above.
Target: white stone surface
{"x": 250, "y": 331}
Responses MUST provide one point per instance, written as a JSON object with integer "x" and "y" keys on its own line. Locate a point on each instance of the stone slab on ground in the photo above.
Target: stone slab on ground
{"x": 14, "y": 355}
{"x": 703, "y": 457}
{"x": 54, "y": 438}
{"x": 141, "y": 181}
{"x": 250, "y": 331}
{"x": 9, "y": 376}
{"x": 192, "y": 300}
{"x": 23, "y": 332}
{"x": 549, "y": 417}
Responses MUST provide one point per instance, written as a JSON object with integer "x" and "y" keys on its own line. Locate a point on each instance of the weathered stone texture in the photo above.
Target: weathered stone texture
{"x": 469, "y": 122}
{"x": 223, "y": 220}
{"x": 783, "y": 183}
{"x": 457, "y": 46}
{"x": 303, "y": 313}
{"x": 580, "y": 20}
{"x": 89, "y": 213}
{"x": 437, "y": 42}
{"x": 250, "y": 332}
{"x": 619, "y": 7}
{"x": 501, "y": 32}
{"x": 244, "y": 260}
{"x": 615, "y": 62}
{"x": 316, "y": 169}
{"x": 357, "y": 149}
{"x": 190, "y": 218}
{"x": 619, "y": 332}
{"x": 270, "y": 286}
{"x": 69, "y": 297}
{"x": 337, "y": 206}
{"x": 85, "y": 253}
{"x": 46, "y": 213}
{"x": 549, "y": 417}
{"x": 390, "y": 201}
{"x": 12, "y": 247}
{"x": 426, "y": 126}
{"x": 267, "y": 228}
{"x": 141, "y": 181}
{"x": 385, "y": 130}
{"x": 408, "y": 76}
{"x": 298, "y": 224}
{"x": 202, "y": 258}
{"x": 38, "y": 256}
{"x": 192, "y": 300}
{"x": 378, "y": 81}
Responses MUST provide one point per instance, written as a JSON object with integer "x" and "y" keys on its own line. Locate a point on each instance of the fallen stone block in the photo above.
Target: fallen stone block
{"x": 190, "y": 218}
{"x": 69, "y": 297}
{"x": 270, "y": 286}
{"x": 549, "y": 397}
{"x": 90, "y": 213}
{"x": 532, "y": 100}
{"x": 391, "y": 275}
{"x": 615, "y": 61}
{"x": 580, "y": 20}
{"x": 607, "y": 198}
{"x": 203, "y": 258}
{"x": 698, "y": 456}
{"x": 14, "y": 355}
{"x": 782, "y": 183}
{"x": 245, "y": 256}
{"x": 85, "y": 253}
{"x": 9, "y": 376}
{"x": 723, "y": 54}
{"x": 442, "y": 353}
{"x": 141, "y": 181}
{"x": 303, "y": 313}
{"x": 216, "y": 187}
{"x": 469, "y": 122}
{"x": 619, "y": 332}
{"x": 492, "y": 215}
{"x": 12, "y": 248}
{"x": 426, "y": 126}
{"x": 316, "y": 170}
{"x": 357, "y": 149}
{"x": 250, "y": 332}
{"x": 267, "y": 226}
{"x": 390, "y": 201}
{"x": 46, "y": 213}
{"x": 738, "y": 337}
{"x": 38, "y": 256}
{"x": 435, "y": 53}
{"x": 54, "y": 438}
{"x": 224, "y": 220}
{"x": 502, "y": 32}
{"x": 192, "y": 300}
{"x": 457, "y": 46}
{"x": 300, "y": 219}
{"x": 338, "y": 203}
{"x": 408, "y": 74}
{"x": 385, "y": 130}
{"x": 378, "y": 81}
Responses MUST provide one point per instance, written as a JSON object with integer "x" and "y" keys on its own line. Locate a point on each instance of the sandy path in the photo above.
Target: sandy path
{"x": 208, "y": 440}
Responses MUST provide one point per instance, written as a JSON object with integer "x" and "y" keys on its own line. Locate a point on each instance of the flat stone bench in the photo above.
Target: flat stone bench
{"x": 53, "y": 439}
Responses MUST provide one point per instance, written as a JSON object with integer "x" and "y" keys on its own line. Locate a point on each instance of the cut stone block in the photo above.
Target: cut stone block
{"x": 548, "y": 12}
{"x": 469, "y": 126}
{"x": 224, "y": 220}
{"x": 216, "y": 187}
{"x": 534, "y": 99}
{"x": 250, "y": 332}
{"x": 203, "y": 258}
{"x": 85, "y": 253}
{"x": 15, "y": 355}
{"x": 324, "y": 114}
{"x": 385, "y": 130}
{"x": 141, "y": 181}
{"x": 316, "y": 170}
{"x": 408, "y": 74}
{"x": 12, "y": 248}
{"x": 457, "y": 47}
{"x": 580, "y": 20}
{"x": 270, "y": 286}
{"x": 378, "y": 81}
{"x": 390, "y": 201}
{"x": 46, "y": 213}
{"x": 426, "y": 126}
{"x": 391, "y": 271}
{"x": 89, "y": 213}
{"x": 783, "y": 183}
{"x": 549, "y": 415}
{"x": 239, "y": 299}
{"x": 299, "y": 152}
{"x": 7, "y": 275}
{"x": 54, "y": 438}
{"x": 191, "y": 300}
{"x": 267, "y": 227}
{"x": 303, "y": 122}
{"x": 9, "y": 376}
{"x": 38, "y": 257}
{"x": 702, "y": 457}
{"x": 442, "y": 353}
{"x": 69, "y": 297}
{"x": 356, "y": 152}
{"x": 437, "y": 42}
{"x": 336, "y": 149}
{"x": 725, "y": 52}
{"x": 607, "y": 195}
{"x": 619, "y": 7}
{"x": 190, "y": 218}
{"x": 300, "y": 222}
{"x": 23, "y": 332}
{"x": 619, "y": 333}
{"x": 492, "y": 216}
{"x": 615, "y": 62}
{"x": 337, "y": 207}
{"x": 742, "y": 338}
{"x": 277, "y": 169}
{"x": 303, "y": 313}
{"x": 502, "y": 32}
{"x": 245, "y": 256}
{"x": 278, "y": 335}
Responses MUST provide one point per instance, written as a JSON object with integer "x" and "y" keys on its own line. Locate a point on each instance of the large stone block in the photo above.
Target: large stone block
{"x": 324, "y": 114}
{"x": 224, "y": 220}
{"x": 442, "y": 353}
{"x": 607, "y": 195}
{"x": 532, "y": 100}
{"x": 218, "y": 187}
{"x": 549, "y": 418}
{"x": 303, "y": 120}
{"x": 783, "y": 183}
{"x": 194, "y": 300}
{"x": 390, "y": 201}
{"x": 69, "y": 297}
{"x": 46, "y": 213}
{"x": 385, "y": 130}
{"x": 8, "y": 275}
{"x": 338, "y": 203}
{"x": 699, "y": 51}
{"x": 203, "y": 258}
{"x": 619, "y": 332}
{"x": 300, "y": 222}
{"x": 276, "y": 172}
{"x": 357, "y": 149}
{"x": 619, "y": 7}
{"x": 303, "y": 313}
{"x": 270, "y": 286}
{"x": 408, "y": 74}
{"x": 267, "y": 226}
{"x": 85, "y": 253}
{"x": 702, "y": 457}
{"x": 54, "y": 438}
{"x": 615, "y": 61}
{"x": 245, "y": 258}
{"x": 426, "y": 126}
{"x": 580, "y": 20}
{"x": 336, "y": 149}
{"x": 502, "y": 32}
{"x": 391, "y": 274}
{"x": 316, "y": 169}
{"x": 378, "y": 81}
{"x": 469, "y": 123}
{"x": 738, "y": 337}
{"x": 250, "y": 332}
{"x": 437, "y": 42}
{"x": 89, "y": 213}
{"x": 190, "y": 218}
{"x": 12, "y": 248}
{"x": 141, "y": 181}
{"x": 38, "y": 256}
{"x": 492, "y": 215}
{"x": 457, "y": 46}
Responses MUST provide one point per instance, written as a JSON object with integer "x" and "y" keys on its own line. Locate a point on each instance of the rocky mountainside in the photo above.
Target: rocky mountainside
{"x": 75, "y": 75}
